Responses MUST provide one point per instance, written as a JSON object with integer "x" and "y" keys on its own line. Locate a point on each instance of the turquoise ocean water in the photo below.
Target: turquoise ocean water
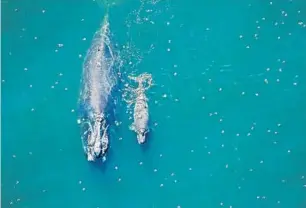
{"x": 227, "y": 108}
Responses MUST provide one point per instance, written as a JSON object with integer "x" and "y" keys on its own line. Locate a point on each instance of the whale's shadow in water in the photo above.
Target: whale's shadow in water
{"x": 145, "y": 146}
{"x": 101, "y": 165}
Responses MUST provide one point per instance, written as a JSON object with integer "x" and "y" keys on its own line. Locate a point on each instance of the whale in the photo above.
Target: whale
{"x": 141, "y": 108}
{"x": 141, "y": 118}
{"x": 97, "y": 81}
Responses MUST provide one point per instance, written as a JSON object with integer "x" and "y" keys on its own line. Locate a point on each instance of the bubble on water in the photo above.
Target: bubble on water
{"x": 266, "y": 81}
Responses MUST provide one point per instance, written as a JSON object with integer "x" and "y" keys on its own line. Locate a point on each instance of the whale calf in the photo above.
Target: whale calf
{"x": 141, "y": 109}
{"x": 96, "y": 85}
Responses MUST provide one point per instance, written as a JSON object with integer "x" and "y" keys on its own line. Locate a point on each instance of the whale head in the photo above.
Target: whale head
{"x": 141, "y": 136}
{"x": 97, "y": 140}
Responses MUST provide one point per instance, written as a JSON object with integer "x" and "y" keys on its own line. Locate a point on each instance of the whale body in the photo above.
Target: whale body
{"x": 96, "y": 86}
{"x": 141, "y": 117}
{"x": 141, "y": 108}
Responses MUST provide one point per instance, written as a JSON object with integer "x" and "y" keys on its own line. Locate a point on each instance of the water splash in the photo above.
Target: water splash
{"x": 108, "y": 3}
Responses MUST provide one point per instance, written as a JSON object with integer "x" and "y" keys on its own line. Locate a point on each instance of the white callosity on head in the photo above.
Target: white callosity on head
{"x": 104, "y": 140}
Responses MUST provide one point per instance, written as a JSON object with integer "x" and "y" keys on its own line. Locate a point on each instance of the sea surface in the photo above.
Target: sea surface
{"x": 227, "y": 109}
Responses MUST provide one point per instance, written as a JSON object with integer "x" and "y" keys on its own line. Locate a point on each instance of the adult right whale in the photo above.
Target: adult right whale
{"x": 141, "y": 108}
{"x": 96, "y": 86}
